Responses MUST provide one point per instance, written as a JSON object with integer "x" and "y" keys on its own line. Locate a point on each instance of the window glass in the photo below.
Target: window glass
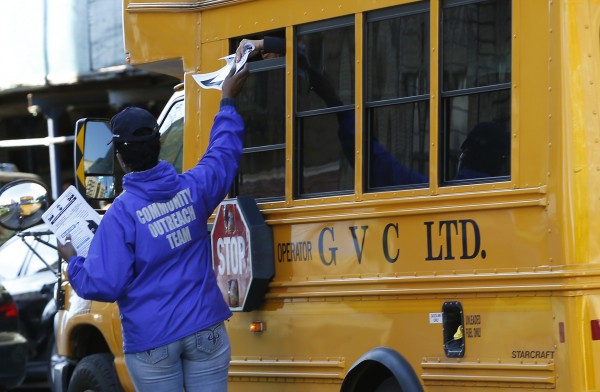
{"x": 262, "y": 174}
{"x": 476, "y": 100}
{"x": 48, "y": 254}
{"x": 327, "y": 153}
{"x": 397, "y": 77}
{"x": 17, "y": 259}
{"x": 399, "y": 145}
{"x": 13, "y": 255}
{"x": 478, "y": 141}
{"x": 325, "y": 68}
{"x": 5, "y": 235}
{"x": 172, "y": 136}
{"x": 397, "y": 67}
{"x": 477, "y": 44}
{"x": 325, "y": 127}
{"x": 261, "y": 103}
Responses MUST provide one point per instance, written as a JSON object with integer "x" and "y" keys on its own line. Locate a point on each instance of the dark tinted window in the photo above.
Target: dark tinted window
{"x": 476, "y": 75}
{"x": 397, "y": 79}
{"x": 325, "y": 107}
{"x": 262, "y": 105}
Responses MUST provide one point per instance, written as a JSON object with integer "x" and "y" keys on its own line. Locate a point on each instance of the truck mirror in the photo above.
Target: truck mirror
{"x": 100, "y": 187}
{"x": 22, "y": 204}
{"x": 95, "y": 163}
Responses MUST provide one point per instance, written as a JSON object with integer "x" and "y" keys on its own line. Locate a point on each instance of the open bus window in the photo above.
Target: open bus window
{"x": 324, "y": 129}
{"x": 397, "y": 97}
{"x": 262, "y": 105}
{"x": 476, "y": 84}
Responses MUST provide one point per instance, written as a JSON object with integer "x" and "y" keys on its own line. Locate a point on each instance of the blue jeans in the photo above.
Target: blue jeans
{"x": 200, "y": 362}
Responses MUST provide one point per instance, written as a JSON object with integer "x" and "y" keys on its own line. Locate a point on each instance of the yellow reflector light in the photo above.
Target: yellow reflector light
{"x": 257, "y": 326}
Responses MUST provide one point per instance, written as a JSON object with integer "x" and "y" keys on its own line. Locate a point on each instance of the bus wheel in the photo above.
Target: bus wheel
{"x": 390, "y": 384}
{"x": 381, "y": 369}
{"x": 95, "y": 373}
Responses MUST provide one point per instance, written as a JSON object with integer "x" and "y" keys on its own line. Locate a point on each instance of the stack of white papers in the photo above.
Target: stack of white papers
{"x": 71, "y": 215}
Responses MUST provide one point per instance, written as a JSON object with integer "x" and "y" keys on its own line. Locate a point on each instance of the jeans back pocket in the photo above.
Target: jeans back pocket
{"x": 153, "y": 356}
{"x": 211, "y": 339}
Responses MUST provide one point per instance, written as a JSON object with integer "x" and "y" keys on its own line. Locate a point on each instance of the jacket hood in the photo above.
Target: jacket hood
{"x": 158, "y": 183}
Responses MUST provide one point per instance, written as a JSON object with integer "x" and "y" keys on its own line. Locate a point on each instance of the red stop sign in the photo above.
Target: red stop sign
{"x": 242, "y": 255}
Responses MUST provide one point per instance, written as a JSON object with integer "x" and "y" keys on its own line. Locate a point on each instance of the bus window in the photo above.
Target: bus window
{"x": 397, "y": 97}
{"x": 476, "y": 100}
{"x": 324, "y": 97}
{"x": 171, "y": 130}
{"x": 262, "y": 105}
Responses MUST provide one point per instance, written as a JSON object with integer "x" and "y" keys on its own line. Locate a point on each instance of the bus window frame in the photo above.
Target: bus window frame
{"x": 445, "y": 96}
{"x": 301, "y": 115}
{"x": 257, "y": 66}
{"x": 435, "y": 99}
{"x": 375, "y": 16}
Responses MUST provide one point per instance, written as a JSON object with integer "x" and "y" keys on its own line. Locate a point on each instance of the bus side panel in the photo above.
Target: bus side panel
{"x": 410, "y": 245}
{"x": 506, "y": 337}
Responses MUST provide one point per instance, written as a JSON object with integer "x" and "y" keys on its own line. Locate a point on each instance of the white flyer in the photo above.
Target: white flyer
{"x": 71, "y": 215}
{"x": 215, "y": 79}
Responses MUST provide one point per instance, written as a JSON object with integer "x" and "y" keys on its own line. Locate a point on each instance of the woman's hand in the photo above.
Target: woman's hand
{"x": 66, "y": 250}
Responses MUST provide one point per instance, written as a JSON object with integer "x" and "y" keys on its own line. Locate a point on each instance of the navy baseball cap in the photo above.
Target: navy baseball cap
{"x": 128, "y": 121}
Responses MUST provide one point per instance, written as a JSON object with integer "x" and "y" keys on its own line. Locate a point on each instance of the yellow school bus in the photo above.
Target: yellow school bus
{"x": 430, "y": 173}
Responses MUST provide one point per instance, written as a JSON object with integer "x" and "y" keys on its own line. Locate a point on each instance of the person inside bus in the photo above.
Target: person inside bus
{"x": 151, "y": 253}
{"x": 485, "y": 152}
{"x": 267, "y": 47}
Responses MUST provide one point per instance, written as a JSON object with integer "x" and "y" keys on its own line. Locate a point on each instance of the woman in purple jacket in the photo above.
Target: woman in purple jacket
{"x": 151, "y": 253}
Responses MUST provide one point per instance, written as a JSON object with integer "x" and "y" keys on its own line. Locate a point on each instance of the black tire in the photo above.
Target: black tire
{"x": 95, "y": 373}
